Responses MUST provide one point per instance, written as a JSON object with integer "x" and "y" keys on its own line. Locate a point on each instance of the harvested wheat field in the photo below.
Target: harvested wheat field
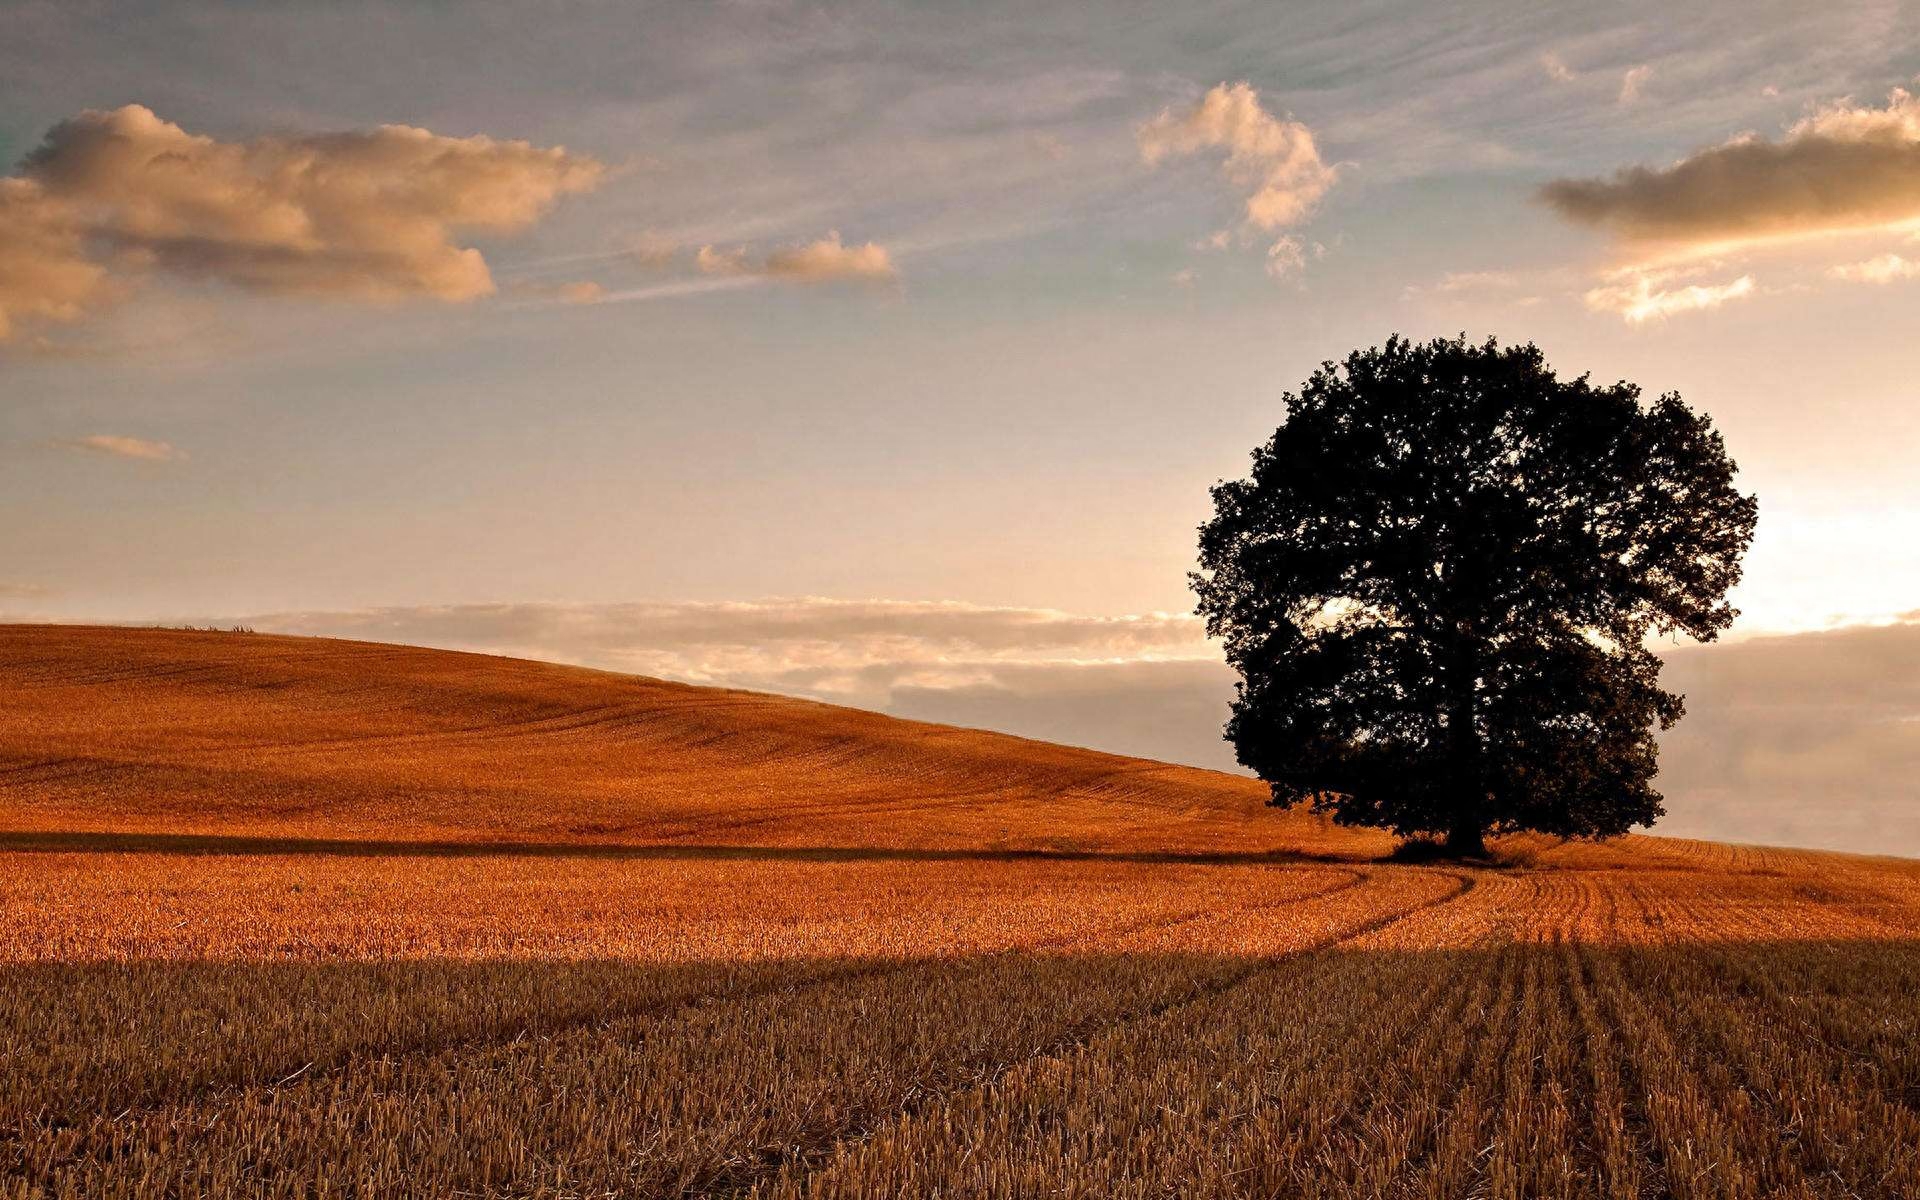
{"x": 288, "y": 917}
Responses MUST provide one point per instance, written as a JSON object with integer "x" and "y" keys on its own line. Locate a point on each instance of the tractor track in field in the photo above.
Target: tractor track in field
{"x": 291, "y": 1077}
{"x": 738, "y": 1185}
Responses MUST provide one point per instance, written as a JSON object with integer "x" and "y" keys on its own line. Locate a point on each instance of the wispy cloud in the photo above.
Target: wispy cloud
{"x": 577, "y": 291}
{"x": 676, "y": 288}
{"x": 1645, "y": 295}
{"x": 1887, "y": 268}
{"x": 1631, "y": 82}
{"x": 127, "y": 447}
{"x": 1476, "y": 281}
{"x": 375, "y": 214}
{"x": 1556, "y": 68}
{"x": 1286, "y": 256}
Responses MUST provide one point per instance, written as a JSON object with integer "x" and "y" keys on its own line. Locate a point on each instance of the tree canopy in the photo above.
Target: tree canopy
{"x": 1439, "y": 581}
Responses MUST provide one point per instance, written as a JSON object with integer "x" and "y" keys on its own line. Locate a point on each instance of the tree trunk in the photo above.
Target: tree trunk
{"x": 1466, "y": 832}
{"x": 1466, "y": 839}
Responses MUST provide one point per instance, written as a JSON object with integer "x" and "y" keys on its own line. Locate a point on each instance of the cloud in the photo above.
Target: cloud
{"x": 368, "y": 215}
{"x": 676, "y": 288}
{"x": 1286, "y": 256}
{"x": 1276, "y": 158}
{"x": 827, "y": 258}
{"x": 822, "y": 260}
{"x": 1475, "y": 281}
{"x": 1808, "y": 739}
{"x": 1643, "y": 296}
{"x": 24, "y": 591}
{"x": 714, "y": 261}
{"x": 1631, "y": 82}
{"x": 1885, "y": 269}
{"x": 581, "y": 291}
{"x": 45, "y": 273}
{"x": 127, "y": 447}
{"x": 1842, "y": 169}
{"x": 855, "y": 651}
{"x": 1172, "y": 711}
{"x": 650, "y": 249}
{"x": 578, "y": 291}
{"x": 1556, "y": 68}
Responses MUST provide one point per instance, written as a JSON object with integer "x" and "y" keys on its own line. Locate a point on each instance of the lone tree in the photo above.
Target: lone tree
{"x": 1438, "y": 584}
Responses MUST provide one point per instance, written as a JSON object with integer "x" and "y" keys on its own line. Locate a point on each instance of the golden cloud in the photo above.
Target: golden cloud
{"x": 1275, "y": 157}
{"x": 1842, "y": 169}
{"x": 45, "y": 273}
{"x": 368, "y": 215}
{"x": 818, "y": 261}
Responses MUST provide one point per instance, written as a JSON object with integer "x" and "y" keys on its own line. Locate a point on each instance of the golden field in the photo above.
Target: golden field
{"x": 289, "y": 917}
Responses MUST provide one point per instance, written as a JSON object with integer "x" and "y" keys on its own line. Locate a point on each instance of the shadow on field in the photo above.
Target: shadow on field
{"x": 111, "y": 1040}
{"x": 26, "y": 841}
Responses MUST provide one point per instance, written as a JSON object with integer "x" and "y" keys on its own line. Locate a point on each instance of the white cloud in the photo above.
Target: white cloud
{"x": 371, "y": 215}
{"x": 1556, "y": 68}
{"x": 1887, "y": 268}
{"x": 127, "y": 447}
{"x": 1644, "y": 296}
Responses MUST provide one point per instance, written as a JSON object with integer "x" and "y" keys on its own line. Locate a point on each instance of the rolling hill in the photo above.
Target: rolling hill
{"x": 186, "y": 732}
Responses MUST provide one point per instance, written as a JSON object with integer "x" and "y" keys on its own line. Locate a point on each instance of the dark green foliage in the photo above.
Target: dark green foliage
{"x": 1438, "y": 583}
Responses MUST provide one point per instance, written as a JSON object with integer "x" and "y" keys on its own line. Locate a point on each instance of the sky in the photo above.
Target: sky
{"x": 884, "y": 353}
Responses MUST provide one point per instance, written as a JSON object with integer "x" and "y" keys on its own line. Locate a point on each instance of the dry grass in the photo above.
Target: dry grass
{"x": 291, "y": 918}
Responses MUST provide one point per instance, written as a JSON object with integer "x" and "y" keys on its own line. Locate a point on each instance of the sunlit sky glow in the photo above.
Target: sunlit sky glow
{"x": 326, "y": 309}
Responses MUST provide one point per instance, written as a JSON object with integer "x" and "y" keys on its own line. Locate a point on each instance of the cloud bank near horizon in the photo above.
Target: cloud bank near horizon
{"x": 1808, "y": 739}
